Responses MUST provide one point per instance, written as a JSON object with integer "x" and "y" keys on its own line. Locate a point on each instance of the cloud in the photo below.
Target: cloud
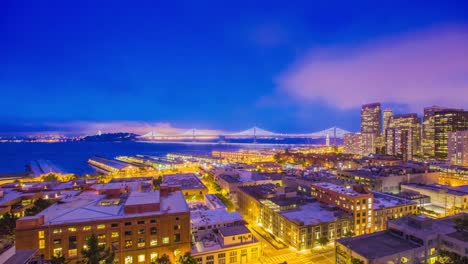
{"x": 416, "y": 69}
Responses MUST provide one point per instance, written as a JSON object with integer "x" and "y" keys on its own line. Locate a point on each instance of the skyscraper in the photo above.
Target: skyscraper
{"x": 445, "y": 121}
{"x": 387, "y": 116}
{"x": 404, "y": 136}
{"x": 428, "y": 135}
{"x": 371, "y": 119}
{"x": 458, "y": 148}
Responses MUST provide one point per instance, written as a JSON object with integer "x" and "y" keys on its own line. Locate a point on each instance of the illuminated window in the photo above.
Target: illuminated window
{"x": 72, "y": 252}
{"x": 41, "y": 243}
{"x": 115, "y": 234}
{"x": 72, "y": 229}
{"x": 153, "y": 242}
{"x": 128, "y": 243}
{"x": 101, "y": 226}
{"x": 153, "y": 256}
{"x": 165, "y": 240}
{"x": 101, "y": 236}
{"x": 57, "y": 251}
{"x": 57, "y": 231}
{"x": 177, "y": 227}
{"x": 141, "y": 242}
{"x": 128, "y": 260}
{"x": 86, "y": 228}
{"x": 141, "y": 258}
{"x": 41, "y": 234}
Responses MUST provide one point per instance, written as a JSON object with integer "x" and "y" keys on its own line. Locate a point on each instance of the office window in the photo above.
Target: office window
{"x": 72, "y": 252}
{"x": 40, "y": 234}
{"x": 115, "y": 234}
{"x": 128, "y": 243}
{"x": 86, "y": 228}
{"x": 177, "y": 238}
{"x": 177, "y": 227}
{"x": 153, "y": 256}
{"x": 152, "y": 221}
{"x": 101, "y": 236}
{"x": 233, "y": 257}
{"x": 128, "y": 260}
{"x": 57, "y": 231}
{"x": 153, "y": 242}
{"x": 141, "y": 242}
{"x": 115, "y": 225}
{"x": 153, "y": 231}
{"x": 57, "y": 241}
{"x": 58, "y": 251}
{"x": 165, "y": 240}
{"x": 128, "y": 233}
{"x": 141, "y": 258}
{"x": 222, "y": 255}
{"x": 72, "y": 229}
{"x": 141, "y": 222}
{"x": 41, "y": 243}
{"x": 72, "y": 244}
{"x": 128, "y": 223}
{"x": 101, "y": 226}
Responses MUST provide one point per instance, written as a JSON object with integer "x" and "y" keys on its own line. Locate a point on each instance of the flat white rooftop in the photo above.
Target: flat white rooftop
{"x": 88, "y": 207}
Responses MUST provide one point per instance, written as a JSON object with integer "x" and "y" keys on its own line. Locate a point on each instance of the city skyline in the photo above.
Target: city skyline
{"x": 295, "y": 69}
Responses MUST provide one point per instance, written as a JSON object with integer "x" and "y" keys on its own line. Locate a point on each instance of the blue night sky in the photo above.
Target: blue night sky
{"x": 294, "y": 66}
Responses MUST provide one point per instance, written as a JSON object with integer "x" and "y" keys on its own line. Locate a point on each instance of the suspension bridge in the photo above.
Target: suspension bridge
{"x": 254, "y": 132}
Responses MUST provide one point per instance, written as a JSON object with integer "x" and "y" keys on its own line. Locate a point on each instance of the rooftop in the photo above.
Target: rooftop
{"x": 382, "y": 200}
{"x": 338, "y": 189}
{"x": 377, "y": 245}
{"x": 311, "y": 214}
{"x": 460, "y": 191}
{"x": 91, "y": 206}
{"x": 211, "y": 217}
{"x": 110, "y": 162}
{"x": 186, "y": 181}
{"x": 234, "y": 230}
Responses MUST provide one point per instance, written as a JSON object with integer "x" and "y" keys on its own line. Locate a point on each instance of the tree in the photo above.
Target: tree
{"x": 58, "y": 259}
{"x": 323, "y": 241}
{"x": 7, "y": 224}
{"x": 349, "y": 233}
{"x": 187, "y": 259}
{"x": 164, "y": 259}
{"x": 39, "y": 205}
{"x": 96, "y": 254}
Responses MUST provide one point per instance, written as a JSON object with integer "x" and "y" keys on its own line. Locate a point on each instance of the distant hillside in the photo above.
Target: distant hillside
{"x": 111, "y": 137}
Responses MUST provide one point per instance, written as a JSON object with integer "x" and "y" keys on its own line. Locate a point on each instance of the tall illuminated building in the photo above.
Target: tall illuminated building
{"x": 387, "y": 117}
{"x": 446, "y": 121}
{"x": 458, "y": 148}
{"x": 371, "y": 119}
{"x": 428, "y": 133}
{"x": 404, "y": 136}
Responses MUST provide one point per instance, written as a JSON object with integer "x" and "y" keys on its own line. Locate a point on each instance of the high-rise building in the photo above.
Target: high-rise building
{"x": 387, "y": 116}
{"x": 428, "y": 145}
{"x": 371, "y": 119}
{"x": 458, "y": 148}
{"x": 404, "y": 136}
{"x": 445, "y": 121}
{"x": 359, "y": 143}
